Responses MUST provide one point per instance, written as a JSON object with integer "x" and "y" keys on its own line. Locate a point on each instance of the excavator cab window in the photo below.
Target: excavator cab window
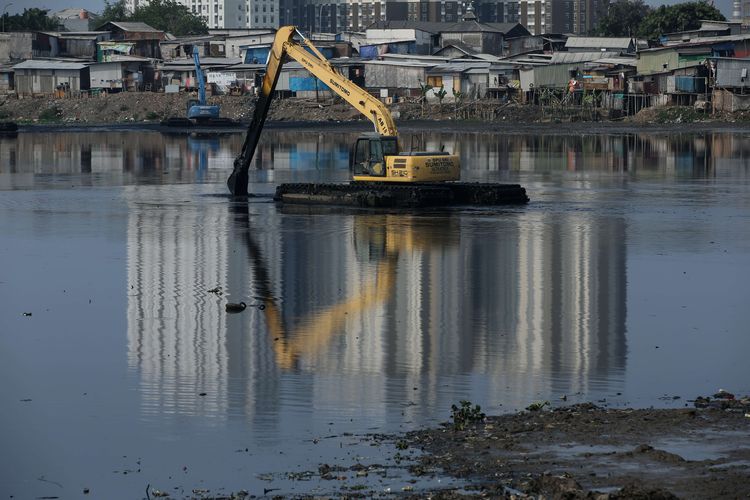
{"x": 368, "y": 157}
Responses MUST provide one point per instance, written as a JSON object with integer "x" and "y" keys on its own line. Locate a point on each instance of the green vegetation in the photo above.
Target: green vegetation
{"x": 635, "y": 18}
{"x": 33, "y": 19}
{"x": 465, "y": 415}
{"x": 538, "y": 406}
{"x": 678, "y": 17}
{"x": 679, "y": 114}
{"x": 623, "y": 18}
{"x": 164, "y": 15}
{"x": 441, "y": 94}
{"x": 52, "y": 114}
{"x": 152, "y": 115}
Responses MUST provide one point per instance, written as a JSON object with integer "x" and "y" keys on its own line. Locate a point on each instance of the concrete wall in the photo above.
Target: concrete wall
{"x": 729, "y": 73}
{"x": 423, "y": 40}
{"x": 15, "y": 46}
{"x": 724, "y": 100}
{"x": 657, "y": 61}
{"x": 44, "y": 81}
{"x": 552, "y": 76}
{"x": 106, "y": 75}
{"x": 379, "y": 76}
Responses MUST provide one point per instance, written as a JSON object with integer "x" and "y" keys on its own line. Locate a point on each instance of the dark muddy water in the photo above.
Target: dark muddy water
{"x": 626, "y": 279}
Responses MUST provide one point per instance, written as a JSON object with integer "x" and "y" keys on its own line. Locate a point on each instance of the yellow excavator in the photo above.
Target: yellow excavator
{"x": 380, "y": 172}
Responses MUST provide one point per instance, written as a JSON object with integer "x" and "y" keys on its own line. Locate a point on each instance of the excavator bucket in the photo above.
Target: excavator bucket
{"x": 237, "y": 181}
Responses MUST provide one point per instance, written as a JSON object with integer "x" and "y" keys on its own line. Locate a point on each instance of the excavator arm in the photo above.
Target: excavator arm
{"x": 312, "y": 60}
{"x": 199, "y": 77}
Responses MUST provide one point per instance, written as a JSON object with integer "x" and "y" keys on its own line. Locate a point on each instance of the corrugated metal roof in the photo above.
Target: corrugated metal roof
{"x": 582, "y": 42}
{"x": 401, "y": 63}
{"x": 624, "y": 61}
{"x": 506, "y": 27}
{"x": 190, "y": 39}
{"x": 471, "y": 26}
{"x": 575, "y": 57}
{"x": 671, "y": 45}
{"x": 459, "y": 68}
{"x": 487, "y": 57}
{"x": 460, "y": 46}
{"x": 41, "y": 64}
{"x": 375, "y": 41}
{"x": 413, "y": 57}
{"x": 135, "y": 26}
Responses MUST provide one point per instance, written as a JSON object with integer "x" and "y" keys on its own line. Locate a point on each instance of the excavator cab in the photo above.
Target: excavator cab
{"x": 370, "y": 152}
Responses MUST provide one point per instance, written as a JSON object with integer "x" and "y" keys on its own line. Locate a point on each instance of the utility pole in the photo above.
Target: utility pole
{"x": 4, "y": 9}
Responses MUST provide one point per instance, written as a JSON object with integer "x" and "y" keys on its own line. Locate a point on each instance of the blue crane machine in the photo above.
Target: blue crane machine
{"x": 198, "y": 110}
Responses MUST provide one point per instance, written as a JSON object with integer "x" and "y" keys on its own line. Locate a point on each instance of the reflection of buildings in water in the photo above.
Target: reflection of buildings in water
{"x": 280, "y": 150}
{"x": 371, "y": 306}
{"x": 116, "y": 153}
{"x": 572, "y": 309}
{"x": 175, "y": 328}
{"x": 670, "y": 153}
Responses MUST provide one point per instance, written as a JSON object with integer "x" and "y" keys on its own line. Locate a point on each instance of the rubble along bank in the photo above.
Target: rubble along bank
{"x": 584, "y": 451}
{"x": 151, "y": 107}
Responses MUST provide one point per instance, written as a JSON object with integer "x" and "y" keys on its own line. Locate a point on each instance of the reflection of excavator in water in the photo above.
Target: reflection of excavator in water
{"x": 378, "y": 239}
{"x": 382, "y": 176}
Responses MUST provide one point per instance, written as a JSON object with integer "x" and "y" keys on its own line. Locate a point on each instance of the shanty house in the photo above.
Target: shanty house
{"x": 132, "y": 73}
{"x": 479, "y": 37}
{"x": 625, "y": 45}
{"x": 6, "y": 79}
{"x": 35, "y": 77}
{"x": 144, "y": 38}
{"x": 423, "y": 37}
{"x": 178, "y": 48}
{"x": 707, "y": 29}
{"x": 79, "y": 45}
{"x": 395, "y": 79}
{"x": 731, "y": 83}
{"x": 469, "y": 79}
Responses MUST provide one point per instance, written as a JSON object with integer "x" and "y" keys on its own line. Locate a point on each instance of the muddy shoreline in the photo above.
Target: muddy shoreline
{"x": 148, "y": 110}
{"x": 585, "y": 451}
{"x": 580, "y": 451}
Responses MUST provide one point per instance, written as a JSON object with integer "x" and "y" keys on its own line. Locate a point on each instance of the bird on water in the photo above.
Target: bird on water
{"x": 235, "y": 308}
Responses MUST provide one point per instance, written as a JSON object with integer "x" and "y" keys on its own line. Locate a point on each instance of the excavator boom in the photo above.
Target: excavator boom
{"x": 285, "y": 45}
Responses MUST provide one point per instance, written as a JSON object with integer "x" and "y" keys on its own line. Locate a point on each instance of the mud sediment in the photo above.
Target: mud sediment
{"x": 585, "y": 451}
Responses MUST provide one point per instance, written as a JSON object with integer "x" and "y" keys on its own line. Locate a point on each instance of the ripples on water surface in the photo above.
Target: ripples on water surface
{"x": 626, "y": 279}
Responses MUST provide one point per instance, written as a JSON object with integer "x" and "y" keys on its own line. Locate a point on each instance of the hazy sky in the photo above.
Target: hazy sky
{"x": 98, "y": 5}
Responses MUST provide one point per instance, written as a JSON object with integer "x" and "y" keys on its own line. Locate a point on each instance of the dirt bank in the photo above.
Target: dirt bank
{"x": 584, "y": 451}
{"x": 130, "y": 107}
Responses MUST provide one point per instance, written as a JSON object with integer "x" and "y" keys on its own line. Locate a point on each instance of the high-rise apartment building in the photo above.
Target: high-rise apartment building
{"x": 578, "y": 17}
{"x": 224, "y": 14}
{"x": 741, "y": 11}
{"x": 331, "y": 16}
{"x": 533, "y": 14}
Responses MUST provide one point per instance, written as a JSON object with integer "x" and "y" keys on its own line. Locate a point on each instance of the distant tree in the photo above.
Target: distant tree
{"x": 115, "y": 11}
{"x": 165, "y": 15}
{"x": 33, "y": 19}
{"x": 170, "y": 16}
{"x": 678, "y": 17}
{"x": 623, "y": 18}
